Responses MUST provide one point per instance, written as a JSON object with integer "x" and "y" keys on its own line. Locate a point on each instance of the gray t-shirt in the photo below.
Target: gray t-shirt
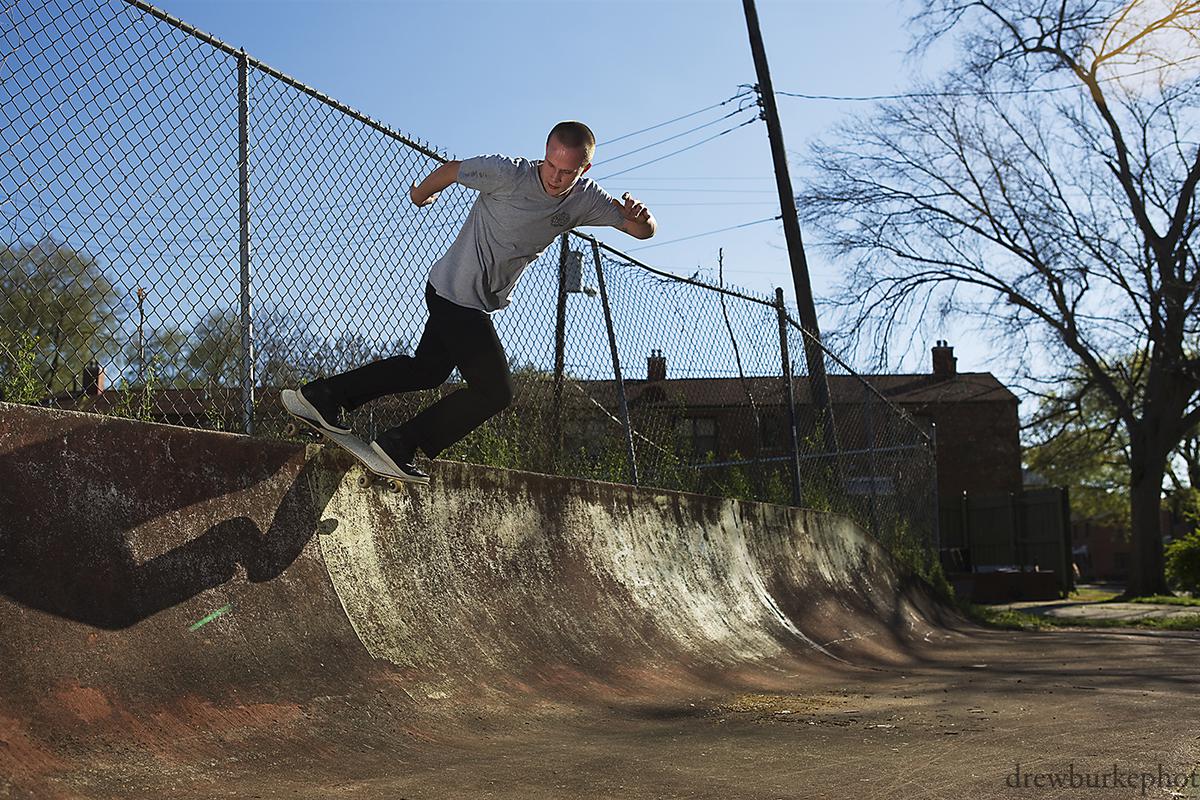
{"x": 512, "y": 221}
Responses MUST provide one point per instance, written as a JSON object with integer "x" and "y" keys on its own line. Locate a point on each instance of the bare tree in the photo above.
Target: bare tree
{"x": 1045, "y": 190}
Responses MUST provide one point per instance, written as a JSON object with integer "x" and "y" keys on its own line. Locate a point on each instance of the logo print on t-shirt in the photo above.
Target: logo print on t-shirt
{"x": 560, "y": 219}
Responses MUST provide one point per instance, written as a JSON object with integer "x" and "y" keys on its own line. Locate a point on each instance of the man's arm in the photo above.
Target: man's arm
{"x": 639, "y": 222}
{"x": 425, "y": 192}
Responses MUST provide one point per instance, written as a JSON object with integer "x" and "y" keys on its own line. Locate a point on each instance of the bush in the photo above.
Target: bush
{"x": 19, "y": 381}
{"x": 137, "y": 401}
{"x": 1183, "y": 562}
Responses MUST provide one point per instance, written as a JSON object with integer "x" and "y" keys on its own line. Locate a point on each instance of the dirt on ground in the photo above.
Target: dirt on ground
{"x": 973, "y": 713}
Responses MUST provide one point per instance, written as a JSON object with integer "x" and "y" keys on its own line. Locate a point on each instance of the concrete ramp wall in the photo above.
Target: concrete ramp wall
{"x": 165, "y": 591}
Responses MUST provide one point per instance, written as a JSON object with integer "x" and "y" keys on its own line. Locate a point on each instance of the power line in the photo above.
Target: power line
{"x": 911, "y": 95}
{"x": 701, "y": 190}
{"x": 1001, "y": 93}
{"x": 708, "y": 178}
{"x": 676, "y": 119}
{"x": 676, "y": 136}
{"x": 681, "y": 150}
{"x": 707, "y": 233}
{"x": 745, "y": 203}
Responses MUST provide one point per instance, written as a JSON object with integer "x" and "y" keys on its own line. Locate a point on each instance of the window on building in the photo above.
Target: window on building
{"x": 699, "y": 435}
{"x": 775, "y": 429}
{"x": 590, "y": 435}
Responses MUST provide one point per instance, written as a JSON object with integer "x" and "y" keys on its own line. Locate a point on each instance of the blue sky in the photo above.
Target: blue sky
{"x": 485, "y": 77}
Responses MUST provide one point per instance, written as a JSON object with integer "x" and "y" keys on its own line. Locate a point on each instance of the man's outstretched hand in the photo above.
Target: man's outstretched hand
{"x": 639, "y": 223}
{"x": 414, "y": 194}
{"x": 632, "y": 210}
{"x": 424, "y": 193}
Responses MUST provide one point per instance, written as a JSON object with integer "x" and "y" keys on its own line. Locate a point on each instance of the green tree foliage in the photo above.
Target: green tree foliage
{"x": 289, "y": 350}
{"x": 1183, "y": 563}
{"x": 1184, "y": 473}
{"x": 62, "y": 298}
{"x": 1078, "y": 441}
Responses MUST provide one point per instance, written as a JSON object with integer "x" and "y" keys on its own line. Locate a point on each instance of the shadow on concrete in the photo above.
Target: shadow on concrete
{"x": 65, "y": 542}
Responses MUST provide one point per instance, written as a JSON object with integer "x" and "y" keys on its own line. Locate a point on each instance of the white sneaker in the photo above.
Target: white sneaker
{"x": 409, "y": 471}
{"x": 300, "y": 406}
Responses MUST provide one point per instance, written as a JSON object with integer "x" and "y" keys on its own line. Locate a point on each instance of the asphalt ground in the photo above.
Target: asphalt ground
{"x": 969, "y": 713}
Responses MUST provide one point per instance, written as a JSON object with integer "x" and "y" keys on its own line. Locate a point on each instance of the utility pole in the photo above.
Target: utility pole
{"x": 814, "y": 354}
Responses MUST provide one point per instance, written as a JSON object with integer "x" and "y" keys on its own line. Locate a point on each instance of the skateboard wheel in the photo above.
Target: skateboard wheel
{"x": 290, "y": 429}
{"x": 363, "y": 481}
{"x": 395, "y": 485}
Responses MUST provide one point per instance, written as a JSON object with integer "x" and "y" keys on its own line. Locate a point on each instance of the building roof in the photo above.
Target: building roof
{"x": 913, "y": 392}
{"x": 964, "y": 387}
{"x": 906, "y": 390}
{"x": 184, "y": 405}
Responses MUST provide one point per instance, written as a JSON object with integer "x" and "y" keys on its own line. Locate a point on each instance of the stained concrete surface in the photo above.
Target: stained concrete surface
{"x": 503, "y": 634}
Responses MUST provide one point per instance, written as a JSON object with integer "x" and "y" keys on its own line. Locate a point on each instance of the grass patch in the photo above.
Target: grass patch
{"x": 1093, "y": 595}
{"x": 992, "y": 617}
{"x": 1168, "y": 600}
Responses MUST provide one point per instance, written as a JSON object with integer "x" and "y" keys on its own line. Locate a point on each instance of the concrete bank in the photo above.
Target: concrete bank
{"x": 184, "y": 607}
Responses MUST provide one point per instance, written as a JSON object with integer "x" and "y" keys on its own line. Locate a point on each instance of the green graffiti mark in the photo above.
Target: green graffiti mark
{"x": 198, "y": 625}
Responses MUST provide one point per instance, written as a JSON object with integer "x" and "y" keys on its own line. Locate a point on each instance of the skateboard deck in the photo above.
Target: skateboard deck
{"x": 362, "y": 452}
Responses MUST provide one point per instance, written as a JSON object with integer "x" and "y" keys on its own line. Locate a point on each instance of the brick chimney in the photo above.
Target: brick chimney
{"x": 656, "y": 366}
{"x": 945, "y": 365}
{"x": 93, "y": 379}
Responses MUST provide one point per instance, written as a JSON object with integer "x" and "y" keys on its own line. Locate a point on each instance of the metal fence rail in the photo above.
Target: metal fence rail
{"x": 186, "y": 231}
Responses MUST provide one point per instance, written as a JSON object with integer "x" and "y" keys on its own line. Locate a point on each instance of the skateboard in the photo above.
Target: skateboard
{"x": 376, "y": 472}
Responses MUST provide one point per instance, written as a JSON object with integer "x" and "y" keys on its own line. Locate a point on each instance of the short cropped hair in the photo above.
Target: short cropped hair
{"x": 574, "y": 134}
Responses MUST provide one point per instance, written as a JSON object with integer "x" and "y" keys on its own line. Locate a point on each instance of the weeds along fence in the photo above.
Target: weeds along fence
{"x": 187, "y": 231}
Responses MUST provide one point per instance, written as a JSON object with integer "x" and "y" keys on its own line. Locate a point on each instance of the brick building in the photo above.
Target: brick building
{"x": 713, "y": 419}
{"x": 975, "y": 417}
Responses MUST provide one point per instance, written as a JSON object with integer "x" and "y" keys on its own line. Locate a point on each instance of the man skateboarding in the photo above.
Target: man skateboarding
{"x": 522, "y": 207}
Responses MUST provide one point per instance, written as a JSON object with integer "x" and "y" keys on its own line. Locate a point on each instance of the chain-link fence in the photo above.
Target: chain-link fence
{"x": 188, "y": 231}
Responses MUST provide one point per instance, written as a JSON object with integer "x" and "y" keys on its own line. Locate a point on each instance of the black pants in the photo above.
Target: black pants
{"x": 454, "y": 336}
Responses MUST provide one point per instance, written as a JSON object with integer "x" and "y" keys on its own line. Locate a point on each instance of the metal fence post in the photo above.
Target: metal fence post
{"x": 560, "y": 346}
{"x": 793, "y": 435}
{"x": 935, "y": 491}
{"x": 630, "y": 454}
{"x": 964, "y": 510}
{"x": 247, "y": 349}
{"x": 871, "y": 460}
{"x": 1014, "y": 516}
{"x": 1064, "y": 529}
